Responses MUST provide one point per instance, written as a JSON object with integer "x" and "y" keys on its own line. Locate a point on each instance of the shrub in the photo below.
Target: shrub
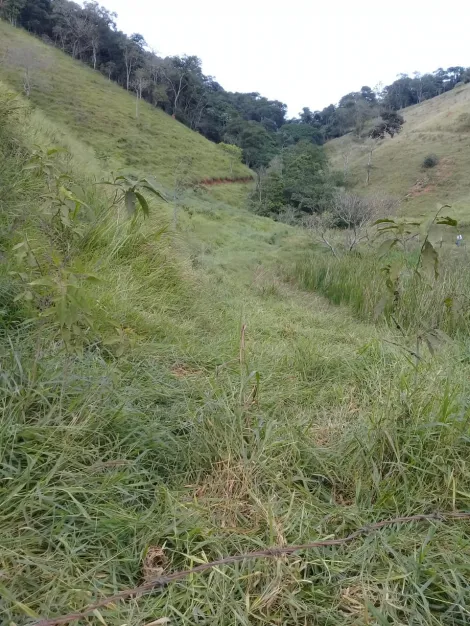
{"x": 431, "y": 160}
{"x": 464, "y": 122}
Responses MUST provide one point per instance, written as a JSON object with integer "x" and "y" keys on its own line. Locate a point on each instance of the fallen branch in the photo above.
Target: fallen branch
{"x": 162, "y": 581}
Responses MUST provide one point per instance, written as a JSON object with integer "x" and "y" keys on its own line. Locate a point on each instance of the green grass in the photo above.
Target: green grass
{"x": 437, "y": 126}
{"x": 358, "y": 280}
{"x": 103, "y": 116}
{"x": 191, "y": 442}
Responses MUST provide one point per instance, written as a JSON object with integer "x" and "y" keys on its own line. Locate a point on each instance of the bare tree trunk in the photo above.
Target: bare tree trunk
{"x": 325, "y": 240}
{"x": 369, "y": 166}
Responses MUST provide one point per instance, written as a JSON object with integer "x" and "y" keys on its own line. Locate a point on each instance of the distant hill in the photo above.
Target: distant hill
{"x": 441, "y": 127}
{"x": 103, "y": 115}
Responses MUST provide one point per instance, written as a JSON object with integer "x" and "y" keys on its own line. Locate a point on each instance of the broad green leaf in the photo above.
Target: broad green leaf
{"x": 387, "y": 228}
{"x": 386, "y": 246}
{"x": 394, "y": 271}
{"x": 130, "y": 200}
{"x": 380, "y": 306}
{"x": 156, "y": 192}
{"x": 112, "y": 341}
{"x": 384, "y": 221}
{"x": 52, "y": 151}
{"x": 45, "y": 282}
{"x": 430, "y": 260}
{"x": 26, "y": 295}
{"x": 434, "y": 339}
{"x": 143, "y": 203}
{"x": 447, "y": 221}
{"x": 425, "y": 226}
{"x": 91, "y": 278}
{"x": 429, "y": 344}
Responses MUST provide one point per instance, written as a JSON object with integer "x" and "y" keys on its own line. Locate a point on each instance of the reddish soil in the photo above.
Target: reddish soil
{"x": 226, "y": 181}
{"x": 428, "y": 183}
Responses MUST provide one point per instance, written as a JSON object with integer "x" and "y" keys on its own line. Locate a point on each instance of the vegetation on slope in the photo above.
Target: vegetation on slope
{"x": 177, "y": 85}
{"x": 229, "y": 411}
{"x": 104, "y": 117}
{"x": 439, "y": 126}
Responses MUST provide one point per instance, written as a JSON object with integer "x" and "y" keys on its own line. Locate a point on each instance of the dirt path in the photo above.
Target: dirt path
{"x": 226, "y": 181}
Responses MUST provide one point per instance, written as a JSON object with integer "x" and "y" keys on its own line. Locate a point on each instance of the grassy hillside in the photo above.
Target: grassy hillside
{"x": 103, "y": 115}
{"x": 438, "y": 126}
{"x": 206, "y": 406}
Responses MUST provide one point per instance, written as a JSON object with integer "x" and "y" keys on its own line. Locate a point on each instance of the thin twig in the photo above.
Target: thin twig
{"x": 242, "y": 345}
{"x": 162, "y": 581}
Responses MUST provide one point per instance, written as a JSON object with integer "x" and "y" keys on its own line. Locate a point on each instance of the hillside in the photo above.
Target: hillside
{"x": 103, "y": 115}
{"x": 438, "y": 126}
{"x": 172, "y": 392}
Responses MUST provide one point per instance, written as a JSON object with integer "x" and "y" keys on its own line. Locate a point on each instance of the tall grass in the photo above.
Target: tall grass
{"x": 200, "y": 440}
{"x": 358, "y": 280}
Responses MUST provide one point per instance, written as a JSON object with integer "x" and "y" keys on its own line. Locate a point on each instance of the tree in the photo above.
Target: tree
{"x": 292, "y": 133}
{"x": 303, "y": 183}
{"x": 234, "y": 153}
{"x": 29, "y": 63}
{"x": 108, "y": 69}
{"x": 368, "y": 95}
{"x": 131, "y": 54}
{"x": 179, "y": 87}
{"x": 391, "y": 124}
{"x": 69, "y": 26}
{"x": 370, "y": 144}
{"x": 140, "y": 82}
{"x": 308, "y": 186}
{"x": 36, "y": 16}
{"x": 182, "y": 76}
{"x": 257, "y": 144}
{"x": 11, "y": 10}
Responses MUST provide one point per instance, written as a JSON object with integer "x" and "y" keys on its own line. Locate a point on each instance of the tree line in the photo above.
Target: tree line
{"x": 258, "y": 126}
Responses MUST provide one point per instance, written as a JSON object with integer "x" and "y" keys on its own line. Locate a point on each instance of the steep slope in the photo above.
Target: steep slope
{"x": 240, "y": 413}
{"x": 103, "y": 115}
{"x": 438, "y": 126}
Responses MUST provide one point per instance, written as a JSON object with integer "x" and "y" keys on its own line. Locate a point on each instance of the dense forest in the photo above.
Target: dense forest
{"x": 177, "y": 85}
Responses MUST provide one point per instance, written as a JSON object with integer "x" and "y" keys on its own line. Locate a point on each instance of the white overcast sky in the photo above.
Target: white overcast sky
{"x": 304, "y": 53}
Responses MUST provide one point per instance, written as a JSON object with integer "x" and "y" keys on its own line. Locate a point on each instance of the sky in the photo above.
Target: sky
{"x": 304, "y": 53}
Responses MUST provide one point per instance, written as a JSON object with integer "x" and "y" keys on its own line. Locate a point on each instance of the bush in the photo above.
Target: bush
{"x": 464, "y": 122}
{"x": 431, "y": 160}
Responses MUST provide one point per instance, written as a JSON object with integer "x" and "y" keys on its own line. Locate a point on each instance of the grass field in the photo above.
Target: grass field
{"x": 438, "y": 126}
{"x": 243, "y": 410}
{"x": 103, "y": 115}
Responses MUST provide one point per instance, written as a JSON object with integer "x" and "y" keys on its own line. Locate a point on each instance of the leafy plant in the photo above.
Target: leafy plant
{"x": 57, "y": 294}
{"x": 43, "y": 162}
{"x": 425, "y": 269}
{"x": 129, "y": 190}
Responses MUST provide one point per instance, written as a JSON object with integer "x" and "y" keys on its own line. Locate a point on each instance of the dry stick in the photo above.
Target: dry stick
{"x": 162, "y": 581}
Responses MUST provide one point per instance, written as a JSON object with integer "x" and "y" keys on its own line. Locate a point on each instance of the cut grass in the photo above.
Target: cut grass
{"x": 201, "y": 445}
